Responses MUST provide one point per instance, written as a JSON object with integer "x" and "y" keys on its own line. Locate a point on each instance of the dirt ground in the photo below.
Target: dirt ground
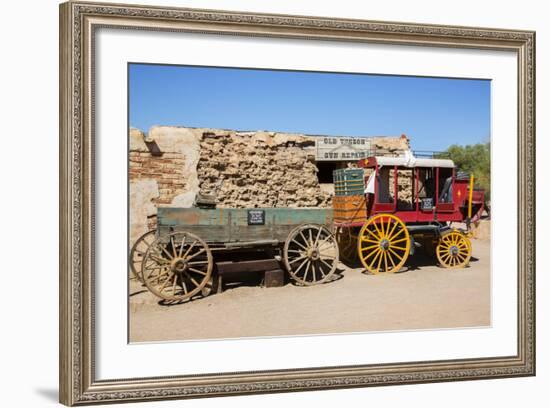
{"x": 423, "y": 296}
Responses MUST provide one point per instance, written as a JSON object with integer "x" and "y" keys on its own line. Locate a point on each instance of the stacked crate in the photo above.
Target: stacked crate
{"x": 349, "y": 203}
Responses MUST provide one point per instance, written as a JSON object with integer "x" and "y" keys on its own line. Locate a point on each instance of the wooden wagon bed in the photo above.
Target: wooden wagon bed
{"x": 230, "y": 226}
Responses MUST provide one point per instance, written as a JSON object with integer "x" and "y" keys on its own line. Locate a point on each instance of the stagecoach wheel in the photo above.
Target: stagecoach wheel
{"x": 383, "y": 244}
{"x": 454, "y": 250}
{"x": 347, "y": 244}
{"x": 138, "y": 252}
{"x": 311, "y": 254}
{"x": 178, "y": 266}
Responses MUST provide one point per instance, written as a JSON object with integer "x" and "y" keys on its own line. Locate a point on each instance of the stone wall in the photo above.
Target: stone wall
{"x": 260, "y": 169}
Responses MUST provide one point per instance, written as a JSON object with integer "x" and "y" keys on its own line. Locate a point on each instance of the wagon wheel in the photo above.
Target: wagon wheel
{"x": 138, "y": 252}
{"x": 347, "y": 244}
{"x": 178, "y": 266}
{"x": 454, "y": 250}
{"x": 383, "y": 244}
{"x": 311, "y": 254}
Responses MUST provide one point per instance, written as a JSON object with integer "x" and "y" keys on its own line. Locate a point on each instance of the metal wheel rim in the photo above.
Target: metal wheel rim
{"x": 454, "y": 250}
{"x": 383, "y": 244}
{"x": 183, "y": 265}
{"x": 311, "y": 254}
{"x": 138, "y": 251}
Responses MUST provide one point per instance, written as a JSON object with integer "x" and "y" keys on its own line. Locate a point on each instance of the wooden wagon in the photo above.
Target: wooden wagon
{"x": 191, "y": 246}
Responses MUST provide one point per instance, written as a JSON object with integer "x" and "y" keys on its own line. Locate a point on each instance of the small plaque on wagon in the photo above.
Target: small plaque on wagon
{"x": 256, "y": 217}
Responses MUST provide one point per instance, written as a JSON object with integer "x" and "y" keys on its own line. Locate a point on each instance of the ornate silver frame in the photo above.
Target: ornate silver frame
{"x": 77, "y": 24}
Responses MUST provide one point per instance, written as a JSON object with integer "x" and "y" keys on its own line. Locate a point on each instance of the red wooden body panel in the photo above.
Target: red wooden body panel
{"x": 455, "y": 211}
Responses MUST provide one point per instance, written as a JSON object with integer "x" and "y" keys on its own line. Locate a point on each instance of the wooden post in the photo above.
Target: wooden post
{"x": 395, "y": 187}
{"x": 436, "y": 186}
{"x": 417, "y": 178}
{"x": 470, "y": 194}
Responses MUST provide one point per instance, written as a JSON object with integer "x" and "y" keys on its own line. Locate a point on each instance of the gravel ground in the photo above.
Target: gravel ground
{"x": 423, "y": 296}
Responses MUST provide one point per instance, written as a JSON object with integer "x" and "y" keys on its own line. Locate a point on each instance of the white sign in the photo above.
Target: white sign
{"x": 342, "y": 148}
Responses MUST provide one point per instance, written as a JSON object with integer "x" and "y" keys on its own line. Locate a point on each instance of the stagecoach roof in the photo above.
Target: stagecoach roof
{"x": 411, "y": 161}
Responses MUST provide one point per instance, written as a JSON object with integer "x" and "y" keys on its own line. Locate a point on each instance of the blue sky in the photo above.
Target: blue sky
{"x": 433, "y": 112}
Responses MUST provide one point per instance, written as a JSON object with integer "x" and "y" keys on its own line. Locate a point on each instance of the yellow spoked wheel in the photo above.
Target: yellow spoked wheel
{"x": 383, "y": 244}
{"x": 454, "y": 250}
{"x": 347, "y": 244}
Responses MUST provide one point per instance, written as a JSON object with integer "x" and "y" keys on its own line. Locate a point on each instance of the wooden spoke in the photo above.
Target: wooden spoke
{"x": 399, "y": 248}
{"x": 196, "y": 254}
{"x": 326, "y": 263}
{"x": 371, "y": 253}
{"x": 302, "y": 264}
{"x": 300, "y": 245}
{"x": 325, "y": 246}
{"x": 317, "y": 249}
{"x": 306, "y": 270}
{"x": 197, "y": 271}
{"x": 188, "y": 251}
{"x": 182, "y": 244}
{"x": 373, "y": 261}
{"x": 168, "y": 270}
{"x": 318, "y": 236}
{"x": 163, "y": 249}
{"x": 304, "y": 238}
{"x": 174, "y": 284}
{"x": 367, "y": 248}
{"x": 371, "y": 241}
{"x": 380, "y": 233}
{"x": 390, "y": 234}
{"x": 397, "y": 233}
{"x": 173, "y": 245}
{"x": 313, "y": 277}
{"x": 197, "y": 284}
{"x": 298, "y": 259}
{"x": 390, "y": 257}
{"x": 454, "y": 250}
{"x": 377, "y": 249}
{"x": 399, "y": 240}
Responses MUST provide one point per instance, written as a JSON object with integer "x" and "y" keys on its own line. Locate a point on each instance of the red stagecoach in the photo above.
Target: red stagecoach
{"x": 389, "y": 206}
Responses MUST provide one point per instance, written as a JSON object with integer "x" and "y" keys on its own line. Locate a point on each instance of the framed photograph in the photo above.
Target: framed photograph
{"x": 256, "y": 203}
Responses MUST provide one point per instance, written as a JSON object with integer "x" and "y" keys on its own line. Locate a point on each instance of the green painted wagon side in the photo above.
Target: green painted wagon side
{"x": 234, "y": 225}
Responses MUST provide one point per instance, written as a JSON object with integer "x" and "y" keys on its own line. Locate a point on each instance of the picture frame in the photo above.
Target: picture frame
{"x": 79, "y": 22}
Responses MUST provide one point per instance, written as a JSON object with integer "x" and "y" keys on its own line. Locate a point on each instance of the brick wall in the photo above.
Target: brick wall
{"x": 167, "y": 170}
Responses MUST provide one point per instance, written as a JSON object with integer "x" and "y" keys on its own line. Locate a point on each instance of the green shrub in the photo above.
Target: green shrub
{"x": 474, "y": 159}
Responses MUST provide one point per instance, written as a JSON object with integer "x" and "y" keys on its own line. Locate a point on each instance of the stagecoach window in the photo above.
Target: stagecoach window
{"x": 426, "y": 183}
{"x": 405, "y": 192}
{"x": 384, "y": 194}
{"x": 445, "y": 192}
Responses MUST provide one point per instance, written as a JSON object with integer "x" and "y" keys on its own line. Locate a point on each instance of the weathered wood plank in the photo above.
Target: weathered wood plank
{"x": 226, "y": 225}
{"x": 259, "y": 265}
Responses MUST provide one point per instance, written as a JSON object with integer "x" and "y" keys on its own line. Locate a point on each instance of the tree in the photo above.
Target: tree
{"x": 476, "y": 160}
